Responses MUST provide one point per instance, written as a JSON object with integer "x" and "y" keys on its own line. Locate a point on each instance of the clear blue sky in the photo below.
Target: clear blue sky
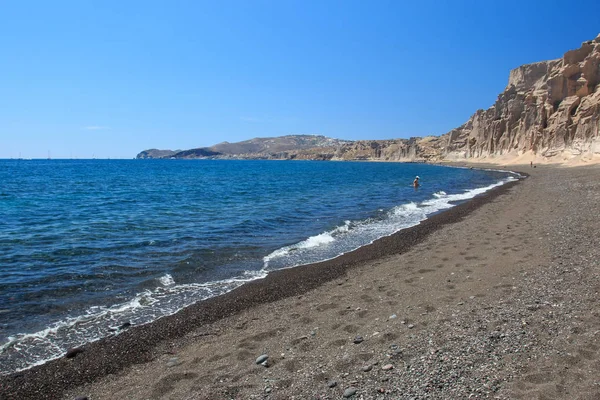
{"x": 112, "y": 78}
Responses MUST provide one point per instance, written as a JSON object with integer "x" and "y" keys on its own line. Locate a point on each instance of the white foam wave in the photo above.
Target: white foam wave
{"x": 320, "y": 240}
{"x": 412, "y": 206}
{"x": 355, "y": 234}
{"x": 315, "y": 241}
{"x": 166, "y": 280}
{"x": 447, "y": 201}
{"x": 25, "y": 350}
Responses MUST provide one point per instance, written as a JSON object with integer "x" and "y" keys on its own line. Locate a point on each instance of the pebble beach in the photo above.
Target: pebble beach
{"x": 495, "y": 298}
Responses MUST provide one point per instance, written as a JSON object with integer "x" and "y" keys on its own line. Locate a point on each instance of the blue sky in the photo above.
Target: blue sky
{"x": 112, "y": 78}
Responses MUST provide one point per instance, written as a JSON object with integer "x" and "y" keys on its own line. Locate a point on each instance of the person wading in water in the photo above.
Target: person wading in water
{"x": 416, "y": 182}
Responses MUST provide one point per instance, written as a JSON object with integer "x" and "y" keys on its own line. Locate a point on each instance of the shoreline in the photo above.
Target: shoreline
{"x": 143, "y": 343}
{"x": 438, "y": 202}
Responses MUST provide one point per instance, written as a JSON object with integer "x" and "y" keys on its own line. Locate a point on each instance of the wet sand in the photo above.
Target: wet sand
{"x": 494, "y": 298}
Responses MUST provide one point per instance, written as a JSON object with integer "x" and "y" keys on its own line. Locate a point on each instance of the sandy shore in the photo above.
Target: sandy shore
{"x": 496, "y": 298}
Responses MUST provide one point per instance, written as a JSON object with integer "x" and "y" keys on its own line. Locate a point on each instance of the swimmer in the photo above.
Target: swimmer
{"x": 416, "y": 182}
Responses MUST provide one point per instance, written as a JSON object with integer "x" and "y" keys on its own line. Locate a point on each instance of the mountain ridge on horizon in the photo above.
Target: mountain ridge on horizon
{"x": 550, "y": 110}
{"x": 303, "y": 146}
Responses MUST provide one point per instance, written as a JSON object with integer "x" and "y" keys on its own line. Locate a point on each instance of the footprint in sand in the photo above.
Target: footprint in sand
{"x": 367, "y": 298}
{"x": 325, "y": 307}
{"x": 244, "y": 355}
{"x": 218, "y": 357}
{"x": 167, "y": 384}
{"x": 538, "y": 378}
{"x": 337, "y": 343}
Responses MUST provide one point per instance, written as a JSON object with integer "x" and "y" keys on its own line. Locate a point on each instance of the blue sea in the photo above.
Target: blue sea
{"x": 89, "y": 245}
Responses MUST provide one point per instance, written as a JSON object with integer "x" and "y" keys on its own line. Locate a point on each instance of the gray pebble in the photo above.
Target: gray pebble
{"x": 332, "y": 384}
{"x": 73, "y": 352}
{"x": 173, "y": 362}
{"x": 351, "y": 391}
{"x": 367, "y": 368}
{"x": 387, "y": 367}
{"x": 262, "y": 359}
{"x": 125, "y": 326}
{"x": 358, "y": 339}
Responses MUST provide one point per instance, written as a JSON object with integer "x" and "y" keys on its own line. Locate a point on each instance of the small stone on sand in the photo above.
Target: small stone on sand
{"x": 261, "y": 359}
{"x": 173, "y": 362}
{"x": 73, "y": 352}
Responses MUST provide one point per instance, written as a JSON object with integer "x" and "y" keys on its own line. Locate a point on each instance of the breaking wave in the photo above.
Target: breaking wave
{"x": 354, "y": 234}
{"x": 24, "y": 350}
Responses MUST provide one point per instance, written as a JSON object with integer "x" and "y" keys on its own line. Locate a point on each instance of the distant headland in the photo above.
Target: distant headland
{"x": 549, "y": 112}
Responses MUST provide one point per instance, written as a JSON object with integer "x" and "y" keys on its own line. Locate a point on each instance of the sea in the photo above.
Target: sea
{"x": 90, "y": 247}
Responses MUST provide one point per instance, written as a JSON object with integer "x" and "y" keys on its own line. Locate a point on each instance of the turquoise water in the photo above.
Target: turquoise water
{"x": 88, "y": 245}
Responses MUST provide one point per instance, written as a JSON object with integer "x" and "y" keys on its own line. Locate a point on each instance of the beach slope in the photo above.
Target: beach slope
{"x": 495, "y": 298}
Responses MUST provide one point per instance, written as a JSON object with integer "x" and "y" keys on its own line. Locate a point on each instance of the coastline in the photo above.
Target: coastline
{"x": 143, "y": 343}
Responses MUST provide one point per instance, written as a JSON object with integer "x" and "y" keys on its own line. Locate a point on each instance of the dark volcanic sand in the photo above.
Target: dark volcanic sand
{"x": 490, "y": 306}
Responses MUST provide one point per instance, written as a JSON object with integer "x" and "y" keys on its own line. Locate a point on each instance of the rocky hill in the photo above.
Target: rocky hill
{"x": 155, "y": 153}
{"x": 413, "y": 149}
{"x": 312, "y": 147}
{"x": 277, "y": 145}
{"x": 550, "y": 110}
{"x": 282, "y": 147}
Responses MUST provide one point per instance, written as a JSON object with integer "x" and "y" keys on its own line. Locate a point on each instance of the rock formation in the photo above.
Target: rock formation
{"x": 155, "y": 153}
{"x": 550, "y": 108}
{"x": 313, "y": 147}
{"x": 413, "y": 149}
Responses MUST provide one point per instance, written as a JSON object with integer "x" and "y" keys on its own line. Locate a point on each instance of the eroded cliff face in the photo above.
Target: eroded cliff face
{"x": 413, "y": 149}
{"x": 307, "y": 147}
{"x": 549, "y": 108}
